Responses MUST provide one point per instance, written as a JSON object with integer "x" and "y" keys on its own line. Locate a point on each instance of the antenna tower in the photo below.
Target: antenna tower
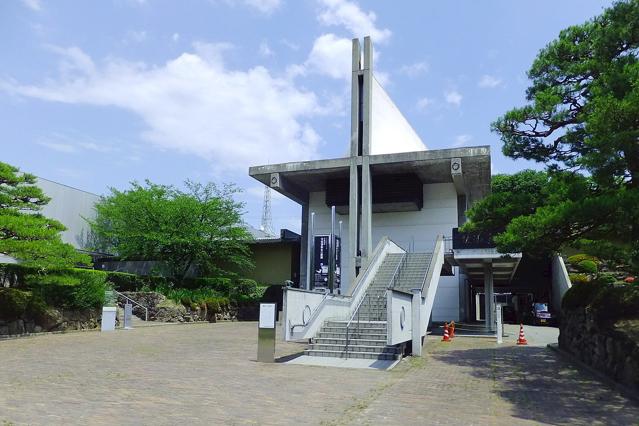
{"x": 267, "y": 219}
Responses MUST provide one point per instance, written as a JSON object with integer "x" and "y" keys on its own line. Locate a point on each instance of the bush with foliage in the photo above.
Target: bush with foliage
{"x": 122, "y": 281}
{"x": 67, "y": 288}
{"x": 77, "y": 289}
{"x": 607, "y": 302}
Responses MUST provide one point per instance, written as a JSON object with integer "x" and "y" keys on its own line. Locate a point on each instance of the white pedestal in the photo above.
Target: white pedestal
{"x": 108, "y": 318}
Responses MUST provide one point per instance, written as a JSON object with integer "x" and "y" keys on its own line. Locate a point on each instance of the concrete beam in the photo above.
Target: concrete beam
{"x": 281, "y": 184}
{"x": 428, "y": 155}
{"x": 353, "y": 219}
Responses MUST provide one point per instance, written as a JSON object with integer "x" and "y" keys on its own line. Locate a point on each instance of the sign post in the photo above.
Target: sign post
{"x": 500, "y": 326}
{"x": 266, "y": 333}
{"x": 128, "y": 316}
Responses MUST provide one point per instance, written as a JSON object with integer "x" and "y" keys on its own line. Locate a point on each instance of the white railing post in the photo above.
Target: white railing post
{"x": 500, "y": 329}
{"x": 416, "y": 321}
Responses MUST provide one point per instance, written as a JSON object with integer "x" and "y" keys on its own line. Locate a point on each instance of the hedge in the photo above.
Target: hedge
{"x": 70, "y": 288}
{"x": 607, "y": 302}
{"x": 123, "y": 281}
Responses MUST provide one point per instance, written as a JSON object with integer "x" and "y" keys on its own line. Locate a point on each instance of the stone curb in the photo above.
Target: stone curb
{"x": 621, "y": 388}
{"x": 48, "y": 333}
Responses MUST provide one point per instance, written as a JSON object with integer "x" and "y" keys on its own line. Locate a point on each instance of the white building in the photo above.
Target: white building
{"x": 395, "y": 200}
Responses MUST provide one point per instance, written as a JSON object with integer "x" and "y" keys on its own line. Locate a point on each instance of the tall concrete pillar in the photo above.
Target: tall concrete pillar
{"x": 305, "y": 262}
{"x": 353, "y": 222}
{"x": 366, "y": 237}
{"x": 355, "y": 96}
{"x": 489, "y": 296}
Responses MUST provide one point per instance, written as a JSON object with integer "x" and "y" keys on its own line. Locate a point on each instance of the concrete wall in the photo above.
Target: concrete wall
{"x": 68, "y": 205}
{"x": 560, "y": 283}
{"x": 272, "y": 263}
{"x": 419, "y": 229}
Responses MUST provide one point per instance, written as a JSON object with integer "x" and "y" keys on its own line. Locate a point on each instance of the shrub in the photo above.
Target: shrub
{"x": 13, "y": 303}
{"x": 579, "y": 278}
{"x": 123, "y": 281}
{"x": 587, "y": 266}
{"x": 577, "y": 258}
{"x": 215, "y": 305}
{"x": 220, "y": 285}
{"x": 69, "y": 288}
{"x": 581, "y": 295}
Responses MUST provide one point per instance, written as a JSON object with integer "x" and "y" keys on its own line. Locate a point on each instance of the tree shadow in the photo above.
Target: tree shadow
{"x": 543, "y": 387}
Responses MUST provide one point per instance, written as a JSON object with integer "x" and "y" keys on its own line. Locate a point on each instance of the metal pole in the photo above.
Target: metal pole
{"x": 311, "y": 264}
{"x": 331, "y": 253}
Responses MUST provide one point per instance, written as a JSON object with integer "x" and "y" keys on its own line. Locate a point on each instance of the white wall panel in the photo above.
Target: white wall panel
{"x": 69, "y": 205}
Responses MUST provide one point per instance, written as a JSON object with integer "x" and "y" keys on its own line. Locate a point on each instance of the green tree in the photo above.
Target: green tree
{"x": 200, "y": 227}
{"x": 582, "y": 122}
{"x": 25, "y": 234}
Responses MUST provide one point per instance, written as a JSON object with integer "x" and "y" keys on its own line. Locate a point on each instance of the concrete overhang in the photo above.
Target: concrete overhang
{"x": 473, "y": 261}
{"x": 297, "y": 179}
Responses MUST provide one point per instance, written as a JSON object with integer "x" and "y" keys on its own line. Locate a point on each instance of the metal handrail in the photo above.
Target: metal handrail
{"x": 396, "y": 274}
{"x": 348, "y": 324}
{"x": 378, "y": 250}
{"x": 146, "y": 310}
{"x": 433, "y": 260}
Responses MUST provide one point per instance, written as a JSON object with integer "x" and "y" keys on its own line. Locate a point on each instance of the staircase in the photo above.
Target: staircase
{"x": 367, "y": 335}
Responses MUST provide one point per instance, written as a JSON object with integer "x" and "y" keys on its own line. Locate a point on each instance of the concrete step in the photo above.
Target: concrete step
{"x": 354, "y": 329}
{"x": 354, "y": 348}
{"x": 359, "y": 355}
{"x": 359, "y": 335}
{"x": 362, "y": 324}
{"x": 354, "y": 342}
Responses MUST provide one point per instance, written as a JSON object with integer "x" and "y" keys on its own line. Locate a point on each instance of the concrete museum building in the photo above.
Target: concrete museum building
{"x": 387, "y": 214}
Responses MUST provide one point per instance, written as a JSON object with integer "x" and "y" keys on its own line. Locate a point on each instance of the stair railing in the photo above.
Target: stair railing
{"x": 355, "y": 320}
{"x": 146, "y": 310}
{"x": 393, "y": 281}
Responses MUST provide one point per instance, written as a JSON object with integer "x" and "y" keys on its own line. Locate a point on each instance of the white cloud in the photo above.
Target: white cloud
{"x": 73, "y": 60}
{"x": 330, "y": 55}
{"x": 290, "y": 44}
{"x": 414, "y": 70}
{"x": 424, "y": 103}
{"x": 58, "y": 146}
{"x": 72, "y": 143}
{"x": 265, "y": 49}
{"x": 453, "y": 97}
{"x": 462, "y": 140}
{"x": 257, "y": 192}
{"x": 33, "y": 4}
{"x": 349, "y": 15}
{"x": 264, "y": 6}
{"x": 488, "y": 81}
{"x": 195, "y": 104}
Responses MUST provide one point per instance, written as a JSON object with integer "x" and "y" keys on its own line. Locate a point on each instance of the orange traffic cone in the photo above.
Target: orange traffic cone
{"x": 522, "y": 340}
{"x": 452, "y": 329}
{"x": 446, "y": 338}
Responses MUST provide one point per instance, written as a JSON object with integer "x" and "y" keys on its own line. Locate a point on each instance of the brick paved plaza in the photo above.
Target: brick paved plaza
{"x": 207, "y": 374}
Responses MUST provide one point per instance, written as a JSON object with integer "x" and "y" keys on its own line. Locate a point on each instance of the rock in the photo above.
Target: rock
{"x": 51, "y": 319}
{"x": 169, "y": 311}
{"x": 37, "y": 329}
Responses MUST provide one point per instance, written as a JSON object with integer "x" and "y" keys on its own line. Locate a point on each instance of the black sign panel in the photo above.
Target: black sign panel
{"x": 321, "y": 265}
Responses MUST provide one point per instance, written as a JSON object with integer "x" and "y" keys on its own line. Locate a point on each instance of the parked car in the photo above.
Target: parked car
{"x": 540, "y": 314}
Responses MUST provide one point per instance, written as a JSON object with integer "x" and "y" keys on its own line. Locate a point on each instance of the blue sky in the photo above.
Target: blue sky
{"x": 98, "y": 94}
